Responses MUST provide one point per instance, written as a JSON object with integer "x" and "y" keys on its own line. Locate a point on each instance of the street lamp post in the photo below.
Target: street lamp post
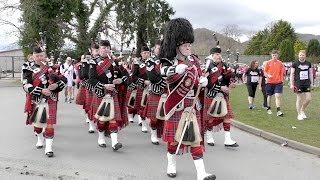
{"x": 228, "y": 54}
{"x": 237, "y": 55}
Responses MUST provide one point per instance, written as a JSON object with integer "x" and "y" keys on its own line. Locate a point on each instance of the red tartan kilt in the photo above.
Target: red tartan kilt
{"x": 216, "y": 120}
{"x": 130, "y": 110}
{"x": 53, "y": 107}
{"x": 150, "y": 110}
{"x": 171, "y": 125}
{"x": 81, "y": 96}
{"x": 137, "y": 104}
{"x": 123, "y": 100}
{"x": 96, "y": 103}
{"x": 89, "y": 98}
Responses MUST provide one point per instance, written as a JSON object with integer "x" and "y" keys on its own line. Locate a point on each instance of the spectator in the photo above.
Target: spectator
{"x": 251, "y": 77}
{"x": 274, "y": 72}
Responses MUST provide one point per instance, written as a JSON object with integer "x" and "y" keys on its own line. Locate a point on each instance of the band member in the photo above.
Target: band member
{"x": 121, "y": 72}
{"x": 83, "y": 92}
{"x": 140, "y": 78}
{"x": 42, "y": 86}
{"x": 182, "y": 107}
{"x": 158, "y": 85}
{"x": 132, "y": 88}
{"x": 105, "y": 105}
{"x": 217, "y": 109}
{"x": 94, "y": 59}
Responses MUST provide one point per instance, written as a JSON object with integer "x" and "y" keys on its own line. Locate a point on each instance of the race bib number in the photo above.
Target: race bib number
{"x": 304, "y": 75}
{"x": 254, "y": 79}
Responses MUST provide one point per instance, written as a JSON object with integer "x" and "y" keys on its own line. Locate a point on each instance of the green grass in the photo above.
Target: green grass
{"x": 307, "y": 131}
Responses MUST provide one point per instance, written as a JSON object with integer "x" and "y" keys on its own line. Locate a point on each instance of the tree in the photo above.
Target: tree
{"x": 299, "y": 45}
{"x": 255, "y": 44}
{"x": 268, "y": 39}
{"x": 146, "y": 18}
{"x": 313, "y": 48}
{"x": 45, "y": 16}
{"x": 286, "y": 50}
{"x": 232, "y": 33}
{"x": 280, "y": 31}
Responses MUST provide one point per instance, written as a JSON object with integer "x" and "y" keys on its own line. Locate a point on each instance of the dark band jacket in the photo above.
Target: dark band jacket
{"x": 158, "y": 83}
{"x": 219, "y": 75}
{"x": 139, "y": 73}
{"x": 35, "y": 79}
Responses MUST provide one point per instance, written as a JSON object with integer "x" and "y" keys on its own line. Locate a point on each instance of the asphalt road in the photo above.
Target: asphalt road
{"x": 78, "y": 156}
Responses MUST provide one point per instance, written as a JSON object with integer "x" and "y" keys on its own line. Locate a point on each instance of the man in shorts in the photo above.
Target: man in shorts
{"x": 274, "y": 72}
{"x": 301, "y": 81}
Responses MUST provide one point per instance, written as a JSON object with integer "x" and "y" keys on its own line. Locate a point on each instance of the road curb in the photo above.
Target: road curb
{"x": 277, "y": 139}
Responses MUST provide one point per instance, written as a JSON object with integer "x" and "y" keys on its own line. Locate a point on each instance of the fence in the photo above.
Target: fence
{"x": 10, "y": 66}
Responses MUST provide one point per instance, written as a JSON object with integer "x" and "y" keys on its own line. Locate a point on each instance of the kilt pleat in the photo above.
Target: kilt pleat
{"x": 88, "y": 102}
{"x": 137, "y": 104}
{"x": 150, "y": 110}
{"x": 81, "y": 96}
{"x": 53, "y": 107}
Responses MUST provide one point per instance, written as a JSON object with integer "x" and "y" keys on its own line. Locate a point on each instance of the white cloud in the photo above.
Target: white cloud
{"x": 249, "y": 14}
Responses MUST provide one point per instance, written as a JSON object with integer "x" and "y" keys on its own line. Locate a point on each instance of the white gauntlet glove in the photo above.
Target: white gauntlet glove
{"x": 203, "y": 81}
{"x": 180, "y": 68}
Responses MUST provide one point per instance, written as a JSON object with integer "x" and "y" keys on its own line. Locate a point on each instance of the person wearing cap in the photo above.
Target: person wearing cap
{"x": 221, "y": 79}
{"x": 140, "y": 78}
{"x": 103, "y": 82}
{"x": 157, "y": 84}
{"x": 42, "y": 88}
{"x": 183, "y": 76}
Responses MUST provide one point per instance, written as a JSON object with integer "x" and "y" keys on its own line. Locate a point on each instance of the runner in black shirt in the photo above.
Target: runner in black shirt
{"x": 301, "y": 80}
{"x": 251, "y": 77}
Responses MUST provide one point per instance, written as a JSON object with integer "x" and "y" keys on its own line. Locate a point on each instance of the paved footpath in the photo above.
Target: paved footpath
{"x": 77, "y": 155}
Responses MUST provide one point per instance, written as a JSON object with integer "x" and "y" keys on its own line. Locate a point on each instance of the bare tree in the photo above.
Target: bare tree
{"x": 232, "y": 33}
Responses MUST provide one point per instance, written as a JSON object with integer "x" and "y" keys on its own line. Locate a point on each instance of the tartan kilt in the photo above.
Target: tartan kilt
{"x": 81, "y": 96}
{"x": 151, "y": 107}
{"x": 123, "y": 100}
{"x": 53, "y": 107}
{"x": 171, "y": 125}
{"x": 137, "y": 104}
{"x": 117, "y": 116}
{"x": 216, "y": 120}
{"x": 89, "y": 98}
{"x": 130, "y": 110}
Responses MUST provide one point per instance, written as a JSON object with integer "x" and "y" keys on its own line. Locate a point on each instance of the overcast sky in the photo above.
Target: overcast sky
{"x": 304, "y": 15}
{"x": 251, "y": 15}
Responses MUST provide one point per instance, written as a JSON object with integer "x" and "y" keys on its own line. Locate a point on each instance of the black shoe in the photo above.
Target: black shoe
{"x": 211, "y": 144}
{"x": 172, "y": 175}
{"x": 103, "y": 145}
{"x": 140, "y": 124}
{"x": 39, "y": 147}
{"x": 211, "y": 177}
{"x": 155, "y": 143}
{"x": 232, "y": 145}
{"x": 117, "y": 146}
{"x": 49, "y": 154}
{"x": 90, "y": 132}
